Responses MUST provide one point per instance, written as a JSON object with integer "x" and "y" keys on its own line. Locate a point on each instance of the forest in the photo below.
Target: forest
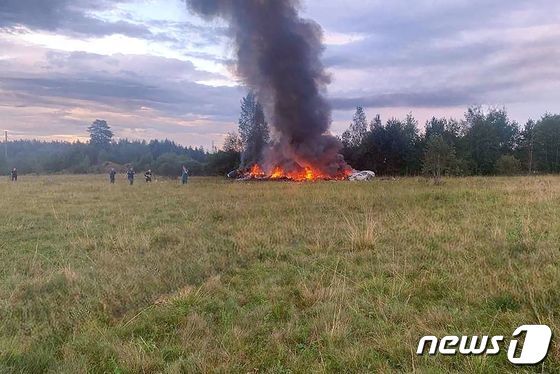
{"x": 484, "y": 142}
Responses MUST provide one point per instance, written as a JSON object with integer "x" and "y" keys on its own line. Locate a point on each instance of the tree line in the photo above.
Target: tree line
{"x": 102, "y": 152}
{"x": 164, "y": 158}
{"x": 482, "y": 143}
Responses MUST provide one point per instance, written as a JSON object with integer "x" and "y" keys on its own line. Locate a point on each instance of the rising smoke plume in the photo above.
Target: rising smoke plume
{"x": 278, "y": 57}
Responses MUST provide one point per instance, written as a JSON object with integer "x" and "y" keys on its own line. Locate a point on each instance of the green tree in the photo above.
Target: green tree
{"x": 450, "y": 130}
{"x": 346, "y": 139}
{"x": 100, "y": 134}
{"x": 233, "y": 143}
{"x": 253, "y": 130}
{"x": 547, "y": 143}
{"x": 358, "y": 128}
{"x": 221, "y": 162}
{"x": 367, "y": 154}
{"x": 401, "y": 146}
{"x": 414, "y": 146}
{"x": 526, "y": 148}
{"x": 375, "y": 123}
{"x": 489, "y": 136}
{"x": 439, "y": 157}
{"x": 391, "y": 149}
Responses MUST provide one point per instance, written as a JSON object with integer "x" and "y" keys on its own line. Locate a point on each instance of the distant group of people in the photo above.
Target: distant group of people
{"x": 148, "y": 175}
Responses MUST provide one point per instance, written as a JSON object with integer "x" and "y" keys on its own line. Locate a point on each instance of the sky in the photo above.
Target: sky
{"x": 152, "y": 70}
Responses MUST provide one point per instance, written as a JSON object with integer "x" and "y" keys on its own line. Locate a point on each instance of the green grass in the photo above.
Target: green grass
{"x": 221, "y": 276}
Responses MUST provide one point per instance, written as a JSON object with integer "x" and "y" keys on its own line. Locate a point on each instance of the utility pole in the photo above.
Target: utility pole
{"x": 6, "y": 145}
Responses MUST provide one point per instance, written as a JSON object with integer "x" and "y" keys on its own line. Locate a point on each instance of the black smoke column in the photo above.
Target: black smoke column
{"x": 278, "y": 56}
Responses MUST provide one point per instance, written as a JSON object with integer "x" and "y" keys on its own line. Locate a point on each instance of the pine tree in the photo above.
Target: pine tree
{"x": 358, "y": 128}
{"x": 526, "y": 147}
{"x": 375, "y": 123}
{"x": 253, "y": 130}
{"x": 100, "y": 134}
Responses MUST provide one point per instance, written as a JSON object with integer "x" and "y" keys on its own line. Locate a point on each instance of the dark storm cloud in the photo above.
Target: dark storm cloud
{"x": 436, "y": 54}
{"x": 406, "y": 99}
{"x": 404, "y": 20}
{"x": 347, "y": 56}
{"x": 510, "y": 78}
{"x": 69, "y": 16}
{"x": 475, "y": 94}
{"x": 125, "y": 81}
{"x": 180, "y": 100}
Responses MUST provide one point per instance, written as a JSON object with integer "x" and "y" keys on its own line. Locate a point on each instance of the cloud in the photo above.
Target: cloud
{"x": 142, "y": 96}
{"x": 125, "y": 81}
{"x": 70, "y": 17}
{"x": 426, "y": 56}
{"x": 430, "y": 54}
{"x": 406, "y": 99}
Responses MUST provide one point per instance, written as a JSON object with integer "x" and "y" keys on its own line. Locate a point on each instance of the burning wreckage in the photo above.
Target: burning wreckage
{"x": 308, "y": 174}
{"x": 278, "y": 58}
{"x": 279, "y": 174}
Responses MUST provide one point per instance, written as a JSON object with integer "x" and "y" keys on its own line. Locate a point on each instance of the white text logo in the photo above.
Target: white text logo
{"x": 533, "y": 351}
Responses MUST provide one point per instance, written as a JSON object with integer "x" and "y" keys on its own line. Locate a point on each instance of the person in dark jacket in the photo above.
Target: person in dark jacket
{"x": 185, "y": 175}
{"x": 14, "y": 175}
{"x": 112, "y": 175}
{"x": 148, "y": 176}
{"x": 130, "y": 175}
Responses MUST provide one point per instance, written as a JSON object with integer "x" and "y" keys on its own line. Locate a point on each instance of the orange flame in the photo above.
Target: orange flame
{"x": 305, "y": 174}
{"x": 256, "y": 172}
{"x": 277, "y": 173}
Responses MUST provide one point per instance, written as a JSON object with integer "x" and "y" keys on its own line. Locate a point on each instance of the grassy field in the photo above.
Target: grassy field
{"x": 221, "y": 276}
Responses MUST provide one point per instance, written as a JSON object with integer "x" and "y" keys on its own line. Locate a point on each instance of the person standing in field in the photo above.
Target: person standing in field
{"x": 184, "y": 175}
{"x": 130, "y": 175}
{"x": 148, "y": 176}
{"x": 14, "y": 175}
{"x": 112, "y": 175}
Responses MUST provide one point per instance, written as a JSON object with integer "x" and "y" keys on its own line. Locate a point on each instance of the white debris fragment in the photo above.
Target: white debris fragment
{"x": 365, "y": 175}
